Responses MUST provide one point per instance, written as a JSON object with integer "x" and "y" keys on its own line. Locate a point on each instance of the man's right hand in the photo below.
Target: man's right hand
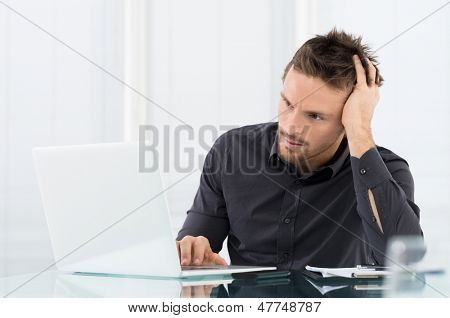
{"x": 197, "y": 251}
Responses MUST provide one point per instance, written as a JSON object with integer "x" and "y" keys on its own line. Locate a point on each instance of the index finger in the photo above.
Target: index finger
{"x": 372, "y": 72}
{"x": 185, "y": 250}
{"x": 360, "y": 72}
{"x": 200, "y": 249}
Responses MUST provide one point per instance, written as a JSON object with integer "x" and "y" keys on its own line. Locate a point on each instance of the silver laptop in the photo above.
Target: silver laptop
{"x": 105, "y": 216}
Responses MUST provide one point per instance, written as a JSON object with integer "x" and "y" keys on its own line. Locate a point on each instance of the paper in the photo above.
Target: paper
{"x": 349, "y": 272}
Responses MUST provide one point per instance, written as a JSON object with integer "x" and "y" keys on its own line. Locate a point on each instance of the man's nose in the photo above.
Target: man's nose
{"x": 296, "y": 127}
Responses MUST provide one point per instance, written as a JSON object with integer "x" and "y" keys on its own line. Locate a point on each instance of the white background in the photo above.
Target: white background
{"x": 208, "y": 62}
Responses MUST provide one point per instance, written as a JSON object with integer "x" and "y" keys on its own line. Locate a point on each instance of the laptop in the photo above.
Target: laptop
{"x": 105, "y": 216}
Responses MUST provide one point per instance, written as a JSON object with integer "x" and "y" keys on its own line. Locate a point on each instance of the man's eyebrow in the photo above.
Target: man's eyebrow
{"x": 285, "y": 98}
{"x": 290, "y": 103}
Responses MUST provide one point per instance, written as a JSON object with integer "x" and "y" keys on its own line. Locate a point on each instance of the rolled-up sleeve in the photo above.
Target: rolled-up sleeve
{"x": 208, "y": 214}
{"x": 392, "y": 186}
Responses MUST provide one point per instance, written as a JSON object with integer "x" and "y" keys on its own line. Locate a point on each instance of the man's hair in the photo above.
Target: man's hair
{"x": 330, "y": 57}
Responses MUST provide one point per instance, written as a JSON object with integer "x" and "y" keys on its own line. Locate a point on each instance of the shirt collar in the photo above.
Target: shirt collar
{"x": 335, "y": 164}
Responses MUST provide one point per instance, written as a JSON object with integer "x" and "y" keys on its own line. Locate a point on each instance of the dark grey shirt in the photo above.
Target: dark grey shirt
{"x": 273, "y": 216}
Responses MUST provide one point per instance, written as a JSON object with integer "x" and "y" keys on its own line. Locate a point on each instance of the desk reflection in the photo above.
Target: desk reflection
{"x": 296, "y": 285}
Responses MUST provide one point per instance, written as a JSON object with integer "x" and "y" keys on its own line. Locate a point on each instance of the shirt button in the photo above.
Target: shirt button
{"x": 287, "y": 220}
{"x": 362, "y": 171}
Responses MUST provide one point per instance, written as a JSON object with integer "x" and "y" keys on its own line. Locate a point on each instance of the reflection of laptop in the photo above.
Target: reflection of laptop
{"x": 105, "y": 216}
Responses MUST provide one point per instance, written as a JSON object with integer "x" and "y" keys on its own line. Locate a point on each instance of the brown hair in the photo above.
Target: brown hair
{"x": 329, "y": 57}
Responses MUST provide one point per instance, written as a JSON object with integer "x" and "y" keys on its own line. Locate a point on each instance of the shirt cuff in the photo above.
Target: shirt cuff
{"x": 369, "y": 170}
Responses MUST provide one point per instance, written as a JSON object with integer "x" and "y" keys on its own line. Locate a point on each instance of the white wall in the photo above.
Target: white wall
{"x": 209, "y": 62}
{"x": 51, "y": 96}
{"x": 413, "y": 115}
{"x": 220, "y": 62}
{"x": 215, "y": 63}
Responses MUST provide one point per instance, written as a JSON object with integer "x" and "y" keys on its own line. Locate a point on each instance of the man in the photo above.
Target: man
{"x": 312, "y": 188}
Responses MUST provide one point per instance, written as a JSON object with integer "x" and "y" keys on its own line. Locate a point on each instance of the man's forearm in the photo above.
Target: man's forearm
{"x": 383, "y": 205}
{"x": 360, "y": 140}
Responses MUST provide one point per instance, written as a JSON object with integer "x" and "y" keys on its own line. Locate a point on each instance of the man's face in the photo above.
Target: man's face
{"x": 309, "y": 119}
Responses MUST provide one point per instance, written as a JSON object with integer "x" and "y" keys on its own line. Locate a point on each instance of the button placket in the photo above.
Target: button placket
{"x": 286, "y": 223}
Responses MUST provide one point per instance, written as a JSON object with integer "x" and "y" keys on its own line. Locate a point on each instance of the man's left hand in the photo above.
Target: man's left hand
{"x": 359, "y": 108}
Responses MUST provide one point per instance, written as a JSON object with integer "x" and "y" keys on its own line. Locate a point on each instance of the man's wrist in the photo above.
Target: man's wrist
{"x": 359, "y": 140}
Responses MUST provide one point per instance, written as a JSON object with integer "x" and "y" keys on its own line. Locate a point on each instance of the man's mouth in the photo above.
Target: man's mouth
{"x": 292, "y": 143}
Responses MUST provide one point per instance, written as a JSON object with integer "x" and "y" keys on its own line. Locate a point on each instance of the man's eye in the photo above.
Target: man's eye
{"x": 315, "y": 116}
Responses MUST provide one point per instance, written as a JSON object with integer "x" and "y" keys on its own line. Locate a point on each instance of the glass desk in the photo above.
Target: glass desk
{"x": 296, "y": 285}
